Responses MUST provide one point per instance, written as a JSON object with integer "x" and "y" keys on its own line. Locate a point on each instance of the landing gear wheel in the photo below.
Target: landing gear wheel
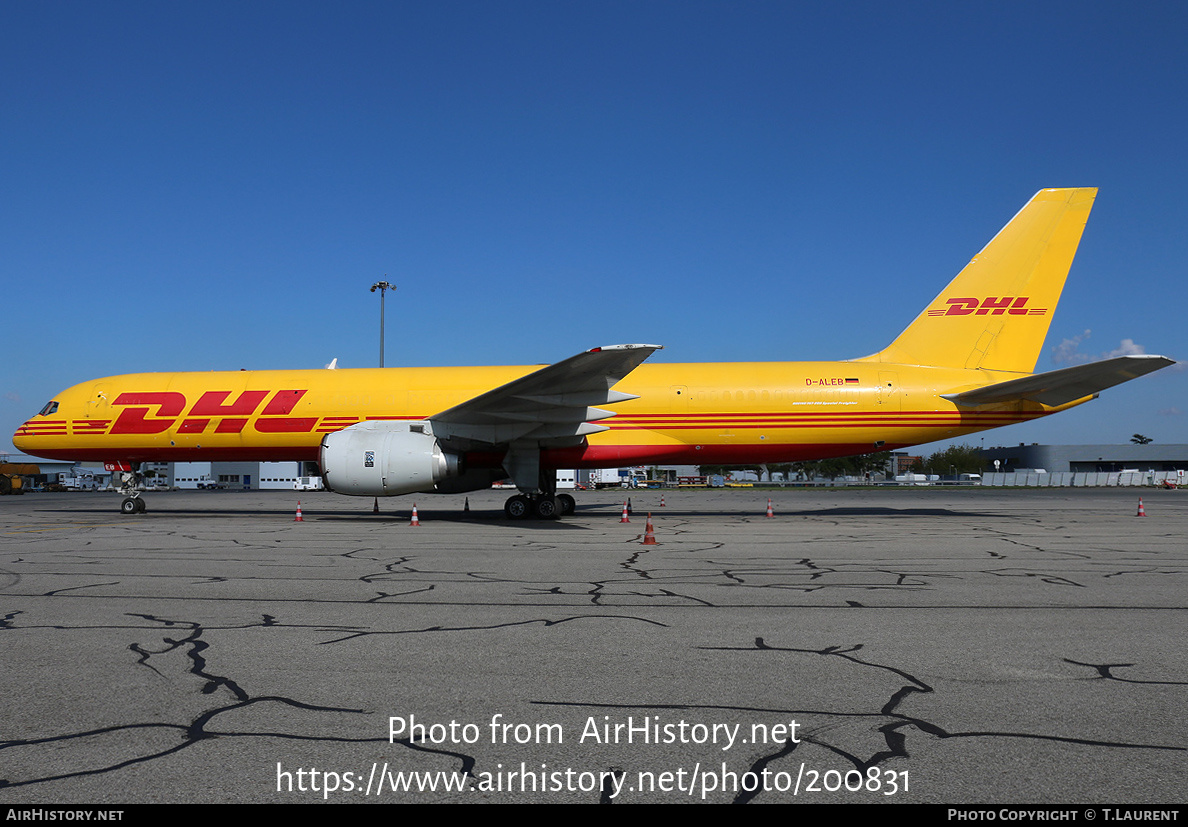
{"x": 547, "y": 508}
{"x": 129, "y": 506}
{"x": 141, "y": 506}
{"x": 568, "y": 504}
{"x": 517, "y": 507}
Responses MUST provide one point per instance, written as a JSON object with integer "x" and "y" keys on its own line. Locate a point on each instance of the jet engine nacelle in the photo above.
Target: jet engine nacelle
{"x": 383, "y": 458}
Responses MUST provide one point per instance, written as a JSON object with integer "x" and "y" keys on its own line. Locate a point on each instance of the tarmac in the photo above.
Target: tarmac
{"x": 956, "y": 646}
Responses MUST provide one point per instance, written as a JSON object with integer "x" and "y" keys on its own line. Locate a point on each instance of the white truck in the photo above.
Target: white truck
{"x": 617, "y": 477}
{"x": 81, "y": 481}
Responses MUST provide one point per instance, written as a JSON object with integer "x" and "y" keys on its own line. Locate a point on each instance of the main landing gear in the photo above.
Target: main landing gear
{"x": 538, "y": 495}
{"x": 542, "y": 506}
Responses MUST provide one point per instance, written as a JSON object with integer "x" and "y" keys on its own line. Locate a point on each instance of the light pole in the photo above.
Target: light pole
{"x": 383, "y": 287}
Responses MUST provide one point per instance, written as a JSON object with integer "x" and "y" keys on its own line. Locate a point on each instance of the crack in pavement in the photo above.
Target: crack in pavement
{"x": 200, "y": 728}
{"x": 509, "y": 625}
{"x": 897, "y": 724}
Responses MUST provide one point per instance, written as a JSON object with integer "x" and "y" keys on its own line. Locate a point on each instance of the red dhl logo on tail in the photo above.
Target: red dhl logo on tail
{"x": 155, "y": 413}
{"x": 991, "y": 305}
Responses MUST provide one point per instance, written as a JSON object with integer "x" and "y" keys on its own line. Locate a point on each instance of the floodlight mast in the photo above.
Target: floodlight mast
{"x": 383, "y": 287}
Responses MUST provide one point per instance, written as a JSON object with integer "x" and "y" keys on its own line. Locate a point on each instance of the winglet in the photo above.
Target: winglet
{"x": 651, "y": 348}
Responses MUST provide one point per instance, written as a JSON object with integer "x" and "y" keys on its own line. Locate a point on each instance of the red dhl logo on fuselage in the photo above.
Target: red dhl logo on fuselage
{"x": 157, "y": 412}
{"x": 991, "y": 305}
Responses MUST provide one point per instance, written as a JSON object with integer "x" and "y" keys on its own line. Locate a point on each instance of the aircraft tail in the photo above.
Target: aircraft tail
{"x": 995, "y": 314}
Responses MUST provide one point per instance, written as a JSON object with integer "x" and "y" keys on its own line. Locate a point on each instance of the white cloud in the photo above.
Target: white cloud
{"x": 1127, "y": 348}
{"x": 1068, "y": 351}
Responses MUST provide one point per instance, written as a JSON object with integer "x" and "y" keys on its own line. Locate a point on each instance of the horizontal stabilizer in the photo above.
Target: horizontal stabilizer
{"x": 1059, "y": 387}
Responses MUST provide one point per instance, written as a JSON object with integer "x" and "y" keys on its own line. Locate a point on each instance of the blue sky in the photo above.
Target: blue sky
{"x": 214, "y": 185}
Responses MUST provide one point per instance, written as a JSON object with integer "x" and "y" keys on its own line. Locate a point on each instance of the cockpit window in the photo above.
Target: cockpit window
{"x": 50, "y": 407}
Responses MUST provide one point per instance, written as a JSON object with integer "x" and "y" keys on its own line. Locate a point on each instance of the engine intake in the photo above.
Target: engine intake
{"x": 384, "y": 458}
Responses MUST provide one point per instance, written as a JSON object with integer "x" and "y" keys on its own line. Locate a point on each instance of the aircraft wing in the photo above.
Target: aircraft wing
{"x": 556, "y": 404}
{"x": 1058, "y": 387}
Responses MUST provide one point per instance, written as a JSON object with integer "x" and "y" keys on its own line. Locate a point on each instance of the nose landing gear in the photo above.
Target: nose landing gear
{"x": 130, "y": 480}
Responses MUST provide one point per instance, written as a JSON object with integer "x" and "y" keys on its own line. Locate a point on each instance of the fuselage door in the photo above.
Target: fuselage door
{"x": 678, "y": 398}
{"x": 890, "y": 398}
{"x": 99, "y": 403}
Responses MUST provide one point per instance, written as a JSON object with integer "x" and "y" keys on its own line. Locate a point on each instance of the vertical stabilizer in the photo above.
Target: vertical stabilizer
{"x": 995, "y": 314}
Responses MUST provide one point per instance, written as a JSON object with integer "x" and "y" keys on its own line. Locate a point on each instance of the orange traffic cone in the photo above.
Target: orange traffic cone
{"x": 661, "y": 500}
{"x": 415, "y": 521}
{"x": 298, "y": 518}
{"x": 649, "y": 536}
{"x": 770, "y": 513}
{"x": 624, "y": 520}
{"x": 1141, "y": 513}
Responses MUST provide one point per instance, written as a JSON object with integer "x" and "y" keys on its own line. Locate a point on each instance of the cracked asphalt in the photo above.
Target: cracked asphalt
{"x": 960, "y": 646}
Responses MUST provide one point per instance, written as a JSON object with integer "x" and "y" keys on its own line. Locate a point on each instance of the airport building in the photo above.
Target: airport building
{"x": 243, "y": 476}
{"x": 1022, "y": 464}
{"x": 1059, "y": 459}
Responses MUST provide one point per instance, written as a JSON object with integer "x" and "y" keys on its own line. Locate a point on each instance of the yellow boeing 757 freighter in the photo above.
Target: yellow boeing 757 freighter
{"x": 964, "y": 365}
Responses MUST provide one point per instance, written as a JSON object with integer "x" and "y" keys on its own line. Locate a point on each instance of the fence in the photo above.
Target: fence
{"x": 1082, "y": 479}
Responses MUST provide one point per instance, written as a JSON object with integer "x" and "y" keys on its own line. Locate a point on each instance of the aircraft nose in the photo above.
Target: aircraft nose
{"x": 20, "y": 439}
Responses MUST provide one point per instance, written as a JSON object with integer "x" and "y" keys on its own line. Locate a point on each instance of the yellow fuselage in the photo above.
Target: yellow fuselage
{"x": 715, "y": 413}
